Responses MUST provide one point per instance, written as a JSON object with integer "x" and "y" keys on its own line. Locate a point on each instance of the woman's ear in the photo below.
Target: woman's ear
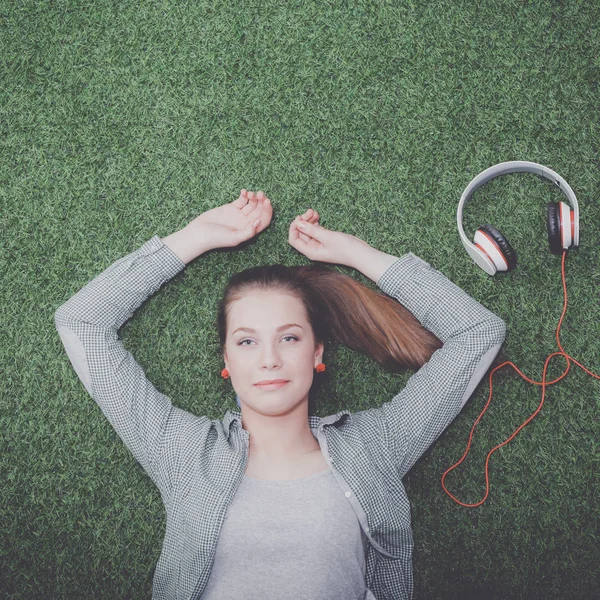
{"x": 319, "y": 351}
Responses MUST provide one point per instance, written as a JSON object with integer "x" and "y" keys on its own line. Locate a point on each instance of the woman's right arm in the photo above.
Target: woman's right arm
{"x": 186, "y": 244}
{"x": 88, "y": 324}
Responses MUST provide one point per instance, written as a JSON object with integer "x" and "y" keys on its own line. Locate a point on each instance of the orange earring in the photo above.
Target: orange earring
{"x": 320, "y": 368}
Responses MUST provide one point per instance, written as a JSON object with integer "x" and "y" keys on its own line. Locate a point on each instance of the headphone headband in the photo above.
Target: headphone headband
{"x": 513, "y": 166}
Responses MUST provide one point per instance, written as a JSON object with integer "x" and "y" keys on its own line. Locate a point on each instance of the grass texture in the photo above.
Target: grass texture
{"x": 122, "y": 120}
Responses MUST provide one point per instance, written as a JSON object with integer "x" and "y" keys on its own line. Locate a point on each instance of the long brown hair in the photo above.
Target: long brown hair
{"x": 340, "y": 308}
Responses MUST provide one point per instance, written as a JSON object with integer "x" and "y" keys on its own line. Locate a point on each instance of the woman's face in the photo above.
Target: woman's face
{"x": 266, "y": 353}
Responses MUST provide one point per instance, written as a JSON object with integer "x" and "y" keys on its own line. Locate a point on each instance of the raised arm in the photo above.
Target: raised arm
{"x": 436, "y": 393}
{"x": 144, "y": 418}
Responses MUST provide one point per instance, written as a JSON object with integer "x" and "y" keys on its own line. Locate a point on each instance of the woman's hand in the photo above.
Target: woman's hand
{"x": 233, "y": 223}
{"x": 318, "y": 243}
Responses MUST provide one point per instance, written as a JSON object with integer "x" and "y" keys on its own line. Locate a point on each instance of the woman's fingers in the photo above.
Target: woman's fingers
{"x": 300, "y": 234}
{"x": 252, "y": 202}
{"x": 296, "y": 233}
{"x": 309, "y": 216}
{"x": 241, "y": 201}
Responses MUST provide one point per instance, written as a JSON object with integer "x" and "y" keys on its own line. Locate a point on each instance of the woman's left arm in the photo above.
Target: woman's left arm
{"x": 472, "y": 336}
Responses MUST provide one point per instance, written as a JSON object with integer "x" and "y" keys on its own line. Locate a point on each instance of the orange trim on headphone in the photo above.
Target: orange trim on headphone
{"x": 562, "y": 225}
{"x": 483, "y": 250}
{"x": 572, "y": 227}
{"x": 495, "y": 244}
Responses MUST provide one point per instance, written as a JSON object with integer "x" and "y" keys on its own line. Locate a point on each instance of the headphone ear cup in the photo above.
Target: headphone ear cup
{"x": 505, "y": 248}
{"x": 554, "y": 228}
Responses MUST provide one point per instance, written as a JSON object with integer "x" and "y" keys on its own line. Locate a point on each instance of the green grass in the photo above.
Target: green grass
{"x": 123, "y": 120}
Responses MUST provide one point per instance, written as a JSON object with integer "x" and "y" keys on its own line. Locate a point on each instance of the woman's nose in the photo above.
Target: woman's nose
{"x": 270, "y": 357}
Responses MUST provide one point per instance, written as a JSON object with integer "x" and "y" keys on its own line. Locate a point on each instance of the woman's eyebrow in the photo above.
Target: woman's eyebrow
{"x": 278, "y": 329}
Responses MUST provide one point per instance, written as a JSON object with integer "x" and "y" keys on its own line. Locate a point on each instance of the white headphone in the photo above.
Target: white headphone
{"x": 491, "y": 250}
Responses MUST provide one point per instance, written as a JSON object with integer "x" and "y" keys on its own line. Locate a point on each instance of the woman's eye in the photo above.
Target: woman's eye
{"x": 285, "y": 338}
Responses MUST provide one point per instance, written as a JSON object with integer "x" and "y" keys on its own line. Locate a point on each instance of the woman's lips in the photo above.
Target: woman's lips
{"x": 270, "y": 386}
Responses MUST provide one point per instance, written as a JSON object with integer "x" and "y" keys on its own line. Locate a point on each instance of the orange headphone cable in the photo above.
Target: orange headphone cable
{"x": 543, "y": 383}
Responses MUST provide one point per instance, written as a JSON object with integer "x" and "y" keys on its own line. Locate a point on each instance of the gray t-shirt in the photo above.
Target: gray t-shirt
{"x": 272, "y": 526}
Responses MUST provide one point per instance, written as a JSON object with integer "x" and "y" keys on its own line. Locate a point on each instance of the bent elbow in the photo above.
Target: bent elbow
{"x": 496, "y": 330}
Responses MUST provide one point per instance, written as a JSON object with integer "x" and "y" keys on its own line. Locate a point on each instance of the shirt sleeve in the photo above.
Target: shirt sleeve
{"x": 145, "y": 419}
{"x": 471, "y": 336}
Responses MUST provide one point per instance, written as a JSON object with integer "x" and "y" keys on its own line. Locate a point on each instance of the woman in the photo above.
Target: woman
{"x": 273, "y": 501}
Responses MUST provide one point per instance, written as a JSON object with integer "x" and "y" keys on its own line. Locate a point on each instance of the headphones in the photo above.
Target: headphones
{"x": 491, "y": 250}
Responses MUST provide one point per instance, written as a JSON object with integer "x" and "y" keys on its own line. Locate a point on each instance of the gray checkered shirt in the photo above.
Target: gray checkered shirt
{"x": 197, "y": 463}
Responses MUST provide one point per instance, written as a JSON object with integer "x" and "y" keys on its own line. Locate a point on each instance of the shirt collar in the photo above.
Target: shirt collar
{"x": 234, "y": 416}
